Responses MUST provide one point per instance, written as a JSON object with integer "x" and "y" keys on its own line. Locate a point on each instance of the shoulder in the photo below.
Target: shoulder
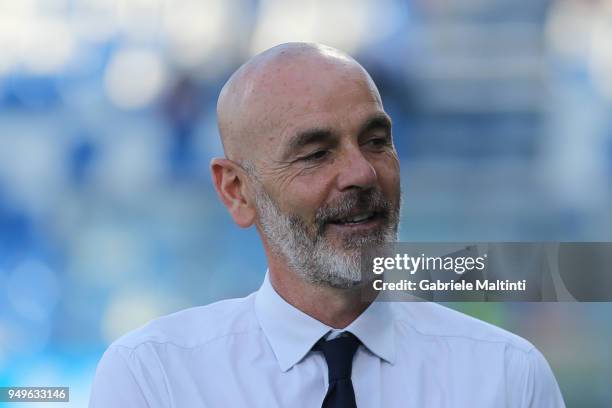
{"x": 433, "y": 320}
{"x": 195, "y": 326}
{"x": 133, "y": 370}
{"x": 527, "y": 374}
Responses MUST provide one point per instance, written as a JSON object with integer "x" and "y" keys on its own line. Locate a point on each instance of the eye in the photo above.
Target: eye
{"x": 318, "y": 155}
{"x": 378, "y": 142}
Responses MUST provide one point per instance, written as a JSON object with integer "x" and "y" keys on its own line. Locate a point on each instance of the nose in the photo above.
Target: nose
{"x": 356, "y": 171}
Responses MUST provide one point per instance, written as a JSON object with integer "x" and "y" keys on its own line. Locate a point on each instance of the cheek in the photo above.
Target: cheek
{"x": 306, "y": 196}
{"x": 389, "y": 176}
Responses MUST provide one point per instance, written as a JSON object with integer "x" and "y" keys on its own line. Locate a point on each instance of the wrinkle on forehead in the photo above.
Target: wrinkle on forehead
{"x": 257, "y": 97}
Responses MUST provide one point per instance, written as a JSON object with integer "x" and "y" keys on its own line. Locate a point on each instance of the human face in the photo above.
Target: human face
{"x": 332, "y": 185}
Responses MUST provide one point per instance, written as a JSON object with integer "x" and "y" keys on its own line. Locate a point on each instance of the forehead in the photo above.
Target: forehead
{"x": 318, "y": 84}
{"x": 327, "y": 96}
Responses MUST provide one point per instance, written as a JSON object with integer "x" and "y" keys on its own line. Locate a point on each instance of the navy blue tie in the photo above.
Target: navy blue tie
{"x": 339, "y": 354}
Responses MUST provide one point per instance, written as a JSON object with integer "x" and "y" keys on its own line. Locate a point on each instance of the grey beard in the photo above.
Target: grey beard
{"x": 309, "y": 254}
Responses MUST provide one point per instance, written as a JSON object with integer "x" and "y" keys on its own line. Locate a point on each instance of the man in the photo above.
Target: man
{"x": 310, "y": 162}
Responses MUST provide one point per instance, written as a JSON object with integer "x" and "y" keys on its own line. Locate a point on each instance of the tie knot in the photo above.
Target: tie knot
{"x": 339, "y": 354}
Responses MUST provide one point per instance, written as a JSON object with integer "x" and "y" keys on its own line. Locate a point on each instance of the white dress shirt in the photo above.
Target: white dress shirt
{"x": 255, "y": 352}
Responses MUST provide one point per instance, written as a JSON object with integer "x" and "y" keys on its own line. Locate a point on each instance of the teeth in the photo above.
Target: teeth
{"x": 358, "y": 218}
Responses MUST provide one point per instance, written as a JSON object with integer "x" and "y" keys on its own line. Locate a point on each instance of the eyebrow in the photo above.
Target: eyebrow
{"x": 377, "y": 121}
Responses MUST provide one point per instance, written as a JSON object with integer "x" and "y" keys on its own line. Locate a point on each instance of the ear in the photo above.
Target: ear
{"x": 229, "y": 181}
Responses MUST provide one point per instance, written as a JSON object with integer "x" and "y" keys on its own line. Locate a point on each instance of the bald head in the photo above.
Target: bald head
{"x": 290, "y": 79}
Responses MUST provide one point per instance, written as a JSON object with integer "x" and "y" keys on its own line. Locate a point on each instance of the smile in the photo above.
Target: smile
{"x": 358, "y": 223}
{"x": 355, "y": 219}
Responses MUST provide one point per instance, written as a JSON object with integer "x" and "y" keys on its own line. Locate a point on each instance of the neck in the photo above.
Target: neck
{"x": 334, "y": 307}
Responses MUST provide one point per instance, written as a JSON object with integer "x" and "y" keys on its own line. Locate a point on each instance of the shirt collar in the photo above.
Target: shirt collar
{"x": 292, "y": 333}
{"x": 375, "y": 329}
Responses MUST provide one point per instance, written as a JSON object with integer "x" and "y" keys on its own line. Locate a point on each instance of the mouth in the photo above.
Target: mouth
{"x": 357, "y": 221}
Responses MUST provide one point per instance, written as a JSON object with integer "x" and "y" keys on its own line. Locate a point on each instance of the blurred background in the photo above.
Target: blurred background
{"x": 502, "y": 116}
